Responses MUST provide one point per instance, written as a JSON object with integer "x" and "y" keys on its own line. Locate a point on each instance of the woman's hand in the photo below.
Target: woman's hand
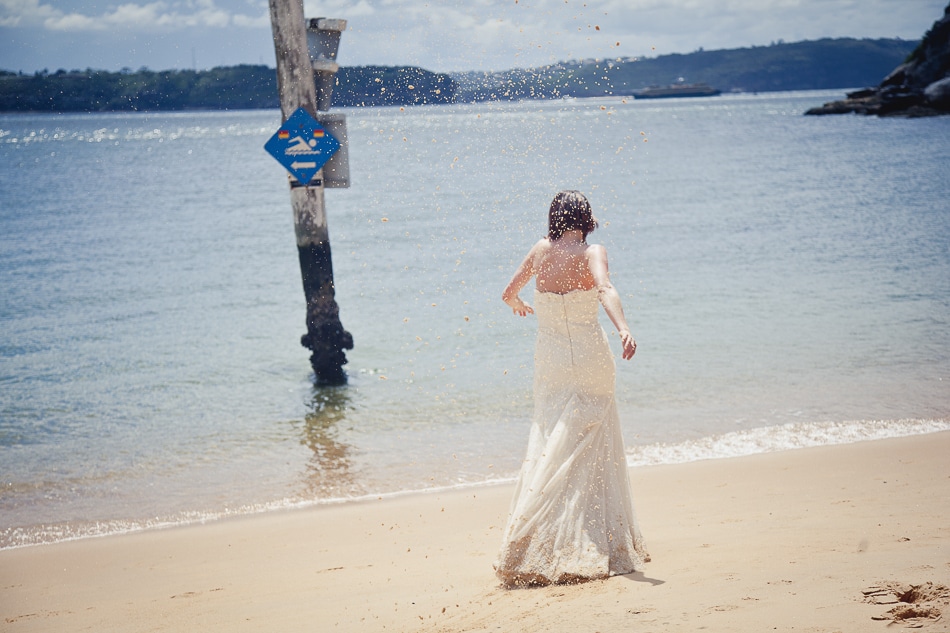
{"x": 629, "y": 344}
{"x": 520, "y": 308}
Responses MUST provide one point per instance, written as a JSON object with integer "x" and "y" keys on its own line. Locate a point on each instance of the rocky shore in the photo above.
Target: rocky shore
{"x": 918, "y": 87}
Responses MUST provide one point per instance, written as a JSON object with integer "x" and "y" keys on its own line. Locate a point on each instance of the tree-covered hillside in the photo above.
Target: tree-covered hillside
{"x": 811, "y": 65}
{"x": 224, "y": 88}
{"x": 828, "y": 63}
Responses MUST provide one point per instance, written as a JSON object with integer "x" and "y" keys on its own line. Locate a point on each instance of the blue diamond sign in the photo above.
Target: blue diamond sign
{"x": 302, "y": 145}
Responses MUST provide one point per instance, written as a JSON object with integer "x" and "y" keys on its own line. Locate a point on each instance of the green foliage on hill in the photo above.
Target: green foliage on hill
{"x": 828, "y": 63}
{"x": 810, "y": 65}
{"x": 389, "y": 85}
{"x": 223, "y": 88}
{"x": 235, "y": 87}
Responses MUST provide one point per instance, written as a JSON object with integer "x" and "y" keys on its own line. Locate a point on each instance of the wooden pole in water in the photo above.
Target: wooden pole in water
{"x": 325, "y": 335}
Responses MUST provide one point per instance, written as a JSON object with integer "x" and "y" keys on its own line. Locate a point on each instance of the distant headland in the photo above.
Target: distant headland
{"x": 920, "y": 86}
{"x": 808, "y": 65}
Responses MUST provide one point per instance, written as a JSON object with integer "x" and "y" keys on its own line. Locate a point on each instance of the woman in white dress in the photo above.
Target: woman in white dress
{"x": 572, "y": 516}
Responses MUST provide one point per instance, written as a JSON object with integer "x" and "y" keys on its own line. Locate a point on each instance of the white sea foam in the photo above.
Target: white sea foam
{"x": 12, "y": 538}
{"x": 780, "y": 438}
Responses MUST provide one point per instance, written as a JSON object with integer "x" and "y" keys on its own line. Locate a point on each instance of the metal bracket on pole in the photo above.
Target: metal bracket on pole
{"x": 336, "y": 171}
{"x": 323, "y": 42}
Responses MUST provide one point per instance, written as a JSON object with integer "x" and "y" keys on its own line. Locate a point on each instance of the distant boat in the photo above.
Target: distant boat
{"x": 676, "y": 90}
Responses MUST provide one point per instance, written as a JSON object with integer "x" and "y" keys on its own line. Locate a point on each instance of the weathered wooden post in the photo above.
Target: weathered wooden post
{"x": 325, "y": 335}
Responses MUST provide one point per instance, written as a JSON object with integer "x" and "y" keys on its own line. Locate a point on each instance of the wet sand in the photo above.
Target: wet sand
{"x": 818, "y": 539}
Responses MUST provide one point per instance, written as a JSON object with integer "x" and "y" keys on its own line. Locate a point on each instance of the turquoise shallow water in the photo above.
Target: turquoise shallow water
{"x": 787, "y": 278}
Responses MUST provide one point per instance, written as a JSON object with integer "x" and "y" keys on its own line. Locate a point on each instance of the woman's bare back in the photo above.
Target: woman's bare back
{"x": 562, "y": 266}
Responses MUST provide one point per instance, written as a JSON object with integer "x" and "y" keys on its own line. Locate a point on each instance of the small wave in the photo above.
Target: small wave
{"x": 46, "y": 534}
{"x": 780, "y": 438}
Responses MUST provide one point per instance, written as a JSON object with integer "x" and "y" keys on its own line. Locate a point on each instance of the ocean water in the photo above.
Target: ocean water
{"x": 787, "y": 279}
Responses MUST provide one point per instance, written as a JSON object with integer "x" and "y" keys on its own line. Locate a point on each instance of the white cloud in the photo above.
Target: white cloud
{"x": 340, "y": 9}
{"x": 24, "y": 12}
{"x": 130, "y": 15}
{"x": 261, "y": 21}
{"x": 73, "y": 22}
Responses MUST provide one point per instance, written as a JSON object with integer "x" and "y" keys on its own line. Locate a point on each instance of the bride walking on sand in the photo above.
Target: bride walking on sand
{"x": 572, "y": 516}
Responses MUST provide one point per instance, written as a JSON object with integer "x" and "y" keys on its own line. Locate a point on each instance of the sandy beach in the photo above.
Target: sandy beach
{"x": 819, "y": 539}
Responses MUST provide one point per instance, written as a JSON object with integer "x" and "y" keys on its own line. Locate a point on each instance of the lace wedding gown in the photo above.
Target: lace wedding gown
{"x": 572, "y": 516}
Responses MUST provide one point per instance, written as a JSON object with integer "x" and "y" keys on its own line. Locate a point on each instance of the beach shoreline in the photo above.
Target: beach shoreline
{"x": 789, "y": 540}
{"x": 737, "y": 443}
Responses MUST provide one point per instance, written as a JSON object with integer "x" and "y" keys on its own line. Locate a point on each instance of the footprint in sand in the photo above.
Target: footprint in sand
{"x": 915, "y": 605}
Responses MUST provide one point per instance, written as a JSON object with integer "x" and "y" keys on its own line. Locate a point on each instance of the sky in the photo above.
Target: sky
{"x": 442, "y": 36}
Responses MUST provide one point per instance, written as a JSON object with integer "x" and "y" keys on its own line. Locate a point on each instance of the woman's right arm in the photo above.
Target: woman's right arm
{"x": 522, "y": 276}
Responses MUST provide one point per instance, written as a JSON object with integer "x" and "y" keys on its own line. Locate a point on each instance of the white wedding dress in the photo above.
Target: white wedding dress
{"x": 572, "y": 516}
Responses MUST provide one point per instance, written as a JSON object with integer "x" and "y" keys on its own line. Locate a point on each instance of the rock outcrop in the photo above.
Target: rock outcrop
{"x": 918, "y": 87}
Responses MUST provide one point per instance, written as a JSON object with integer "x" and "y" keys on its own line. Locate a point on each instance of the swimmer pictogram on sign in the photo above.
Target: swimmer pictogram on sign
{"x": 302, "y": 146}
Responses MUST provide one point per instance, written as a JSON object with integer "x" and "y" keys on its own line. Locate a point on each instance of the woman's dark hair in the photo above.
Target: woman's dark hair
{"x": 570, "y": 210}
